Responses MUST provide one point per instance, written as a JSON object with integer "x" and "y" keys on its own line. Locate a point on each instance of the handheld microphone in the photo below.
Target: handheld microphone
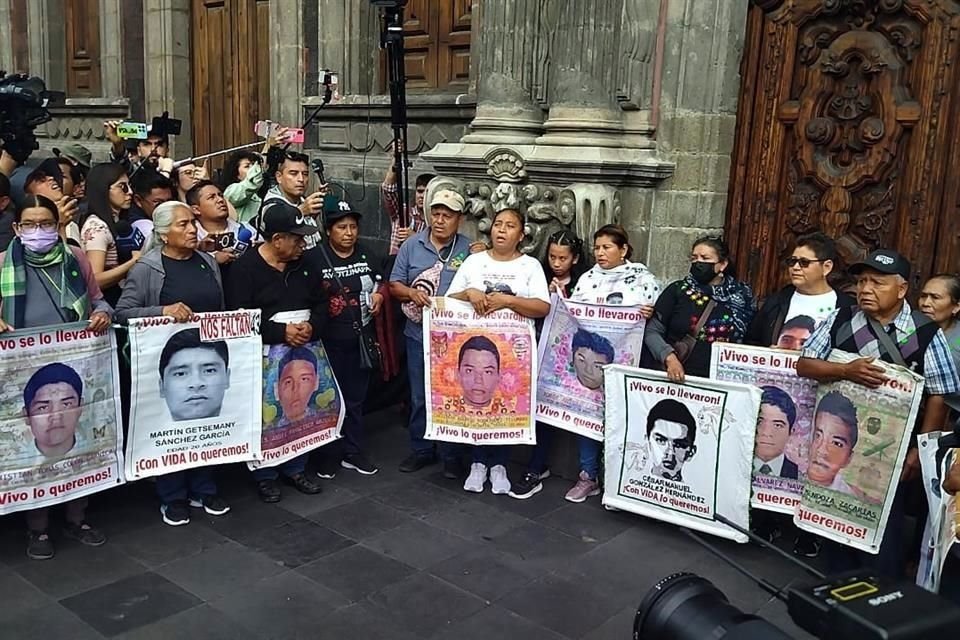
{"x": 244, "y": 240}
{"x": 128, "y": 240}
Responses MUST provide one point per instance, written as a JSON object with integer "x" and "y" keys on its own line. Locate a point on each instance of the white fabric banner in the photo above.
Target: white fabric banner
{"x": 60, "y": 429}
{"x": 679, "y": 452}
{"x": 784, "y": 423}
{"x": 195, "y": 390}
{"x": 859, "y": 441}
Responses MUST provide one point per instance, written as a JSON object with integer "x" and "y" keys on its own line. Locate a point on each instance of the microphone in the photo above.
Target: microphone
{"x": 128, "y": 239}
{"x": 244, "y": 238}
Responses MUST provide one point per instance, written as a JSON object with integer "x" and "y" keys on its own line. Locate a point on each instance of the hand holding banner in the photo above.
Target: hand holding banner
{"x": 479, "y": 374}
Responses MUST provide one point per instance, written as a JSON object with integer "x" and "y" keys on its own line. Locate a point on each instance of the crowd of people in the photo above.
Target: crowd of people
{"x": 137, "y": 236}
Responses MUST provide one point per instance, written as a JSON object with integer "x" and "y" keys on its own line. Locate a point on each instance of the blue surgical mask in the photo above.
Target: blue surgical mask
{"x": 39, "y": 240}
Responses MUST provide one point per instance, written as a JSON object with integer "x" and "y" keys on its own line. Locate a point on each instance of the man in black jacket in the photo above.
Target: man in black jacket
{"x": 275, "y": 280}
{"x": 808, "y": 294}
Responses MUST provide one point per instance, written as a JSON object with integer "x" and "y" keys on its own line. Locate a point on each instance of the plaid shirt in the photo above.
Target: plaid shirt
{"x": 939, "y": 370}
{"x": 391, "y": 202}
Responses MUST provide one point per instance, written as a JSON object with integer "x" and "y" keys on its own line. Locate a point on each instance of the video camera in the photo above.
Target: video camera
{"x": 852, "y": 606}
{"x": 23, "y": 107}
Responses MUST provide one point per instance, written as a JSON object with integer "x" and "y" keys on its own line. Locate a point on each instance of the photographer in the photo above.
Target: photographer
{"x": 243, "y": 177}
{"x": 293, "y": 177}
{"x": 153, "y": 150}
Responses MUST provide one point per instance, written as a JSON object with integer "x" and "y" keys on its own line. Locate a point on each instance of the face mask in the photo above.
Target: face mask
{"x": 40, "y": 240}
{"x": 703, "y": 272}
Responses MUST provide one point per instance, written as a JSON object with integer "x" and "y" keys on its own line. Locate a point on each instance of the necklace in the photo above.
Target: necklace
{"x": 449, "y": 253}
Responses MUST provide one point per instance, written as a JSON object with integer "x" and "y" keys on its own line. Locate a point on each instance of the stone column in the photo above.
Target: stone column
{"x": 166, "y": 47}
{"x": 111, "y": 49}
{"x": 506, "y": 113}
{"x": 6, "y": 52}
{"x": 286, "y": 61}
{"x": 584, "y": 43}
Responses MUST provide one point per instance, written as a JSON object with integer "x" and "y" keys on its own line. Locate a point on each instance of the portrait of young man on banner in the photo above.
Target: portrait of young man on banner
{"x": 679, "y": 452}
{"x": 59, "y": 416}
{"x": 577, "y": 342}
{"x": 302, "y": 405}
{"x": 479, "y": 375}
{"x": 195, "y": 397}
{"x": 785, "y": 421}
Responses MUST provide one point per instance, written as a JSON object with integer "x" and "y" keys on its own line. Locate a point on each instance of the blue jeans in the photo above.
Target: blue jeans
{"x": 491, "y": 455}
{"x": 589, "y": 456}
{"x": 191, "y": 483}
{"x": 418, "y": 408}
{"x": 541, "y": 451}
{"x": 289, "y": 469}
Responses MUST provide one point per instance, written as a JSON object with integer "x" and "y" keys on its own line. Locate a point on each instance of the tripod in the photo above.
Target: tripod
{"x": 391, "y": 40}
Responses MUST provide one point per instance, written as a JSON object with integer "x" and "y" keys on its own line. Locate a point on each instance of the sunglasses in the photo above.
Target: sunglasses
{"x": 124, "y": 187}
{"x": 803, "y": 262}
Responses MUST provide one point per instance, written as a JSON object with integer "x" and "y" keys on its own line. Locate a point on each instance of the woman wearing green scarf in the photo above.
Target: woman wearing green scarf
{"x": 45, "y": 282}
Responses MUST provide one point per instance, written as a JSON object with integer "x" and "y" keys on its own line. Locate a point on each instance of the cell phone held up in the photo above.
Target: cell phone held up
{"x": 268, "y": 128}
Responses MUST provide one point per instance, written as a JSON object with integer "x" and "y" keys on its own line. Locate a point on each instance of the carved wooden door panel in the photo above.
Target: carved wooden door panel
{"x": 849, "y": 124}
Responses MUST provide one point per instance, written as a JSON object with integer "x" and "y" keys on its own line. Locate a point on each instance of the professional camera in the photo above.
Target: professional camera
{"x": 23, "y": 107}
{"x": 852, "y": 606}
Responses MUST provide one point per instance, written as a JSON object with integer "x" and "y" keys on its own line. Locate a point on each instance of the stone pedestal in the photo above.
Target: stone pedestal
{"x": 506, "y": 112}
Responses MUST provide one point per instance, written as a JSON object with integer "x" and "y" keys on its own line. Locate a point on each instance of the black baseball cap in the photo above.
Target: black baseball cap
{"x": 335, "y": 209}
{"x": 280, "y": 217}
{"x": 885, "y": 261}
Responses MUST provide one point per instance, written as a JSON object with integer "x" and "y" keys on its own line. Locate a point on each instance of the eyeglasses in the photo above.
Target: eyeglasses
{"x": 123, "y": 186}
{"x": 33, "y": 226}
{"x": 793, "y": 261}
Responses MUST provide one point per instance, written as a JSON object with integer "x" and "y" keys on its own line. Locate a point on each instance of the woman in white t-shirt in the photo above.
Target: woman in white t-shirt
{"x": 613, "y": 280}
{"x": 499, "y": 278}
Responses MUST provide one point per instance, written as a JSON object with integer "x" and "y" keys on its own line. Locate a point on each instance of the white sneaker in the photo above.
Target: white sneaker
{"x": 477, "y": 478}
{"x": 499, "y": 480}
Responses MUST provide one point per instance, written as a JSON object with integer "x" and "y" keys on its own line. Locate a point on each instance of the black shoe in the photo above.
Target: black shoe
{"x": 84, "y": 534}
{"x": 807, "y": 545}
{"x": 39, "y": 545}
{"x": 214, "y": 505}
{"x": 358, "y": 463}
{"x": 303, "y": 484}
{"x": 769, "y": 532}
{"x": 529, "y": 486}
{"x": 417, "y": 461}
{"x": 269, "y": 490}
{"x": 175, "y": 514}
{"x": 453, "y": 469}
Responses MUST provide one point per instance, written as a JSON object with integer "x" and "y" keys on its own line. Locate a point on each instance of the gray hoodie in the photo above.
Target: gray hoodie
{"x": 141, "y": 289}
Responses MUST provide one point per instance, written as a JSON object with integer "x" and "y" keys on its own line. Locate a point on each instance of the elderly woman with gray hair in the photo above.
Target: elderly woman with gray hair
{"x": 174, "y": 278}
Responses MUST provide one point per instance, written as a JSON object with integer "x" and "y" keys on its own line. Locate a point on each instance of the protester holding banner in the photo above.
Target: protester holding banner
{"x": 884, "y": 326}
{"x": 500, "y": 278}
{"x": 809, "y": 295}
{"x": 351, "y": 274}
{"x": 613, "y": 281}
{"x": 174, "y": 279}
{"x": 424, "y": 268}
{"x": 273, "y": 278}
{"x": 43, "y": 282}
{"x": 709, "y": 305}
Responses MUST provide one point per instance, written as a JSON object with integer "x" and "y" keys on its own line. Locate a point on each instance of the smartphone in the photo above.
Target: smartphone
{"x": 265, "y": 128}
{"x": 134, "y": 130}
{"x": 223, "y": 241}
{"x": 294, "y": 136}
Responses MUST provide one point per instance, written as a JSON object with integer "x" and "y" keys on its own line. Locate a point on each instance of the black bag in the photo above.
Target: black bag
{"x": 369, "y": 348}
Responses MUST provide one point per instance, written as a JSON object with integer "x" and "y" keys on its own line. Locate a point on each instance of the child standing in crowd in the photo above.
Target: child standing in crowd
{"x": 499, "y": 278}
{"x": 613, "y": 280}
{"x": 562, "y": 268}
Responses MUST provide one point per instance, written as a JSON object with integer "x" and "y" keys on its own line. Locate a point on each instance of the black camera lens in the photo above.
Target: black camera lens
{"x": 684, "y": 606}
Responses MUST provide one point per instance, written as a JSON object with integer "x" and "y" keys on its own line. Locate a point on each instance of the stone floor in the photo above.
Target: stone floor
{"x": 396, "y": 556}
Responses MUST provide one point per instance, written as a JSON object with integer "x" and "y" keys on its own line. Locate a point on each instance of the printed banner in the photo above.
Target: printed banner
{"x": 679, "y": 452}
{"x": 784, "y": 423}
{"x": 195, "y": 398}
{"x": 948, "y": 523}
{"x": 859, "y": 441}
{"x": 479, "y": 373}
{"x": 931, "y": 563}
{"x": 578, "y": 340}
{"x": 302, "y": 404}
{"x": 60, "y": 434}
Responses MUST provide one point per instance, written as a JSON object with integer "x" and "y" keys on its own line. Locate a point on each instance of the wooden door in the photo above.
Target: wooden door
{"x": 436, "y": 41}
{"x": 849, "y": 123}
{"x": 231, "y": 72}
{"x": 82, "y": 23}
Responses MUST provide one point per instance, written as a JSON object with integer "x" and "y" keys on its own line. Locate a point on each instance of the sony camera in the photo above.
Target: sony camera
{"x": 23, "y": 107}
